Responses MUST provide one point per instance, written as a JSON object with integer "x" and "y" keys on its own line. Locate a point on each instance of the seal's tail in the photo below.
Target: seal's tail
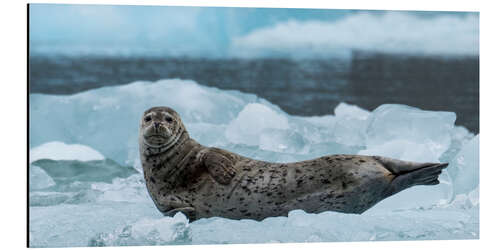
{"x": 411, "y": 173}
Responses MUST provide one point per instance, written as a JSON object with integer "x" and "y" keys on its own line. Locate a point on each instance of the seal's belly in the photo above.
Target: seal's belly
{"x": 264, "y": 189}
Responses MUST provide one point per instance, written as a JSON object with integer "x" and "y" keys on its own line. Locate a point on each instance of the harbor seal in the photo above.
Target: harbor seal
{"x": 183, "y": 176}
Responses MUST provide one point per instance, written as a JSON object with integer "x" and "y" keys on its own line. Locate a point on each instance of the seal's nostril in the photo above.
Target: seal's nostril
{"x": 157, "y": 124}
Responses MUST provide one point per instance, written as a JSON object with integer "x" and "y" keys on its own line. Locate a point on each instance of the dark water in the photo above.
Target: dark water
{"x": 299, "y": 87}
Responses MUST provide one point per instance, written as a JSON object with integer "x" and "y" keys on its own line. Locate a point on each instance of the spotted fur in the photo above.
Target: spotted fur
{"x": 183, "y": 176}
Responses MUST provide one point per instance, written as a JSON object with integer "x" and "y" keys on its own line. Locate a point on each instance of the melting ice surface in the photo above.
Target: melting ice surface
{"x": 87, "y": 189}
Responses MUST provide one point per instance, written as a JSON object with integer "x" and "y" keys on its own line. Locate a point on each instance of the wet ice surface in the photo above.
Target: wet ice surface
{"x": 86, "y": 186}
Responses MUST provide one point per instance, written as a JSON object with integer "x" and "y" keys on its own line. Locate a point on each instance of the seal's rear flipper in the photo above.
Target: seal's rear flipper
{"x": 399, "y": 167}
{"x": 427, "y": 175}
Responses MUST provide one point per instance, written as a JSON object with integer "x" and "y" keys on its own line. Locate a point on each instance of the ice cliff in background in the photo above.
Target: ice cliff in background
{"x": 409, "y": 34}
{"x": 86, "y": 186}
{"x": 226, "y": 32}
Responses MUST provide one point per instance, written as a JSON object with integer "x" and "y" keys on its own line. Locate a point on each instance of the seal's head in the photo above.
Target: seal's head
{"x": 160, "y": 127}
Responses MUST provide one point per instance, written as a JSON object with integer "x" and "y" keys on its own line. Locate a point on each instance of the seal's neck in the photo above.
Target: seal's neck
{"x": 172, "y": 162}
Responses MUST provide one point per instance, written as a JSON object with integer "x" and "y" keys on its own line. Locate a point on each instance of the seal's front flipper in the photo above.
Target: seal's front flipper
{"x": 189, "y": 212}
{"x": 427, "y": 175}
{"x": 219, "y": 166}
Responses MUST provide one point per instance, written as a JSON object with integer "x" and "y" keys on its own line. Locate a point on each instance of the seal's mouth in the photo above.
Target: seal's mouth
{"x": 156, "y": 137}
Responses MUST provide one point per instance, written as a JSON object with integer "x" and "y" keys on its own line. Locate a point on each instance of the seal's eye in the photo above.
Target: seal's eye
{"x": 147, "y": 118}
{"x": 168, "y": 119}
